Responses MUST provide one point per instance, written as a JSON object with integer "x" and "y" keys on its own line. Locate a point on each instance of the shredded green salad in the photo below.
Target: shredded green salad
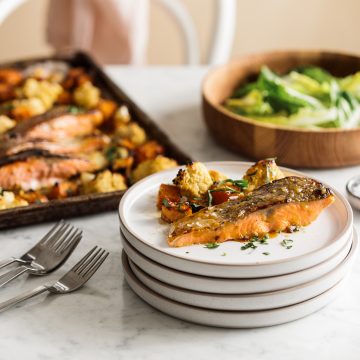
{"x": 307, "y": 97}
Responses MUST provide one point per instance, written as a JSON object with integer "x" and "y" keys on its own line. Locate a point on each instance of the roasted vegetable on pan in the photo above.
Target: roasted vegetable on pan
{"x": 61, "y": 137}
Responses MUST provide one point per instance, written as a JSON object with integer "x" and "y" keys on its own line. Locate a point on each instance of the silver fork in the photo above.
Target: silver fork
{"x": 49, "y": 254}
{"x": 31, "y": 254}
{"x": 71, "y": 281}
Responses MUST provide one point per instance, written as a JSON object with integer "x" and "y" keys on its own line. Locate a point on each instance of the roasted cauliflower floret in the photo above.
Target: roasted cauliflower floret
{"x": 122, "y": 115}
{"x": 132, "y": 132}
{"x": 26, "y": 108}
{"x": 9, "y": 200}
{"x": 98, "y": 160}
{"x": 152, "y": 166}
{"x": 47, "y": 92}
{"x": 193, "y": 181}
{"x": 261, "y": 173}
{"x": 105, "y": 181}
{"x": 87, "y": 95}
{"x": 217, "y": 176}
{"x": 6, "y": 123}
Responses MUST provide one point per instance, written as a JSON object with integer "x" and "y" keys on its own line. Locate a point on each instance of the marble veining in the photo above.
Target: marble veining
{"x": 106, "y": 320}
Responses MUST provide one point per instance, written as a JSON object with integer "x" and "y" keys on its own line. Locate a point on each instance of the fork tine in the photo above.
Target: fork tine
{"x": 51, "y": 231}
{"x": 71, "y": 243}
{"x": 89, "y": 261}
{"x": 92, "y": 269}
{"x": 76, "y": 266}
{"x": 64, "y": 236}
{"x": 69, "y": 234}
{"x": 57, "y": 235}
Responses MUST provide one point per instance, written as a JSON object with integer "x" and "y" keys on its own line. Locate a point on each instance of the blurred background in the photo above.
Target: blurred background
{"x": 260, "y": 25}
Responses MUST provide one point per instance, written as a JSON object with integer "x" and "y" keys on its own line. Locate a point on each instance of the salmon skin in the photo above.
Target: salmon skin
{"x": 274, "y": 207}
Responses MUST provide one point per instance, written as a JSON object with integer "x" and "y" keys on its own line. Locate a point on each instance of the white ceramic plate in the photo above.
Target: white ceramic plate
{"x": 232, "y": 286}
{"x": 228, "y": 319}
{"x": 139, "y": 220}
{"x": 261, "y": 301}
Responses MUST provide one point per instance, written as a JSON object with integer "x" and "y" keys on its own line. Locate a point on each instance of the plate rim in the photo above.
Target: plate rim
{"x": 331, "y": 293}
{"x": 121, "y": 210}
{"x": 186, "y": 276}
{"x": 347, "y": 261}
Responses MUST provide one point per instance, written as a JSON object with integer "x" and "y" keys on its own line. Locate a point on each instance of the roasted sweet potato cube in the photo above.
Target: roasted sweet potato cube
{"x": 147, "y": 151}
{"x": 172, "y": 211}
{"x": 169, "y": 193}
{"x": 63, "y": 190}
{"x": 107, "y": 108}
{"x": 65, "y": 98}
{"x": 7, "y": 92}
{"x": 75, "y": 77}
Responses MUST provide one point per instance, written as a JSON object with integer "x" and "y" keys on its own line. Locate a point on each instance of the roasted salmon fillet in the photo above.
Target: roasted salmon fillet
{"x": 36, "y": 172}
{"x": 56, "y": 125}
{"x": 274, "y": 207}
{"x": 67, "y": 146}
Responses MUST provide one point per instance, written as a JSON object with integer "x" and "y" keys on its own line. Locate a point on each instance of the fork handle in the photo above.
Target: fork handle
{"x": 25, "y": 296}
{"x": 12, "y": 274}
{"x": 7, "y": 262}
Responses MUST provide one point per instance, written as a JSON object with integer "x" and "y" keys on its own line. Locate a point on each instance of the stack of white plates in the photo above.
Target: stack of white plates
{"x": 227, "y": 286}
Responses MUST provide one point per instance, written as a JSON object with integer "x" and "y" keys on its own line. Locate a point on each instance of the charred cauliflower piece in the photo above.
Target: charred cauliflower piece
{"x": 87, "y": 95}
{"x": 217, "y": 176}
{"x": 105, "y": 181}
{"x": 152, "y": 166}
{"x": 6, "y": 123}
{"x": 193, "y": 181}
{"x": 122, "y": 115}
{"x": 132, "y": 132}
{"x": 25, "y": 108}
{"x": 261, "y": 173}
{"x": 45, "y": 91}
{"x": 9, "y": 200}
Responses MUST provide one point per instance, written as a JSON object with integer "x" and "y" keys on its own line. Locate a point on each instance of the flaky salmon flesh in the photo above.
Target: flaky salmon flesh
{"x": 38, "y": 172}
{"x": 274, "y": 207}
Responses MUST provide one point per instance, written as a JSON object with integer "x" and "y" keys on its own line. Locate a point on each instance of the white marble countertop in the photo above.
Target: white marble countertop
{"x": 105, "y": 320}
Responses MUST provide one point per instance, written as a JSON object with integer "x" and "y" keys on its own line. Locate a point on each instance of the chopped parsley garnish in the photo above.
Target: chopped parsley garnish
{"x": 254, "y": 242}
{"x": 226, "y": 188}
{"x": 249, "y": 245}
{"x": 266, "y": 253}
{"x": 6, "y": 107}
{"x": 213, "y": 245}
{"x": 73, "y": 109}
{"x": 287, "y": 243}
{"x": 111, "y": 153}
{"x": 223, "y": 254}
{"x": 165, "y": 202}
{"x": 243, "y": 184}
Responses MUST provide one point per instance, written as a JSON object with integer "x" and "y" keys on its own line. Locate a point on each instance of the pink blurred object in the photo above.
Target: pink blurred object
{"x": 113, "y": 31}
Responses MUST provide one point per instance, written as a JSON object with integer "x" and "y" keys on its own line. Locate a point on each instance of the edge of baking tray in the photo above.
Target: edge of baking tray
{"x": 92, "y": 203}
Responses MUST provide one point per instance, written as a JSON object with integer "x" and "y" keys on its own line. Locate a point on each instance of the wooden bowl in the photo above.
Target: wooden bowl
{"x": 324, "y": 148}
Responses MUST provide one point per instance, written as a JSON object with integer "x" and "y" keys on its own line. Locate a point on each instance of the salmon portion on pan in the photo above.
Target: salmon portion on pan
{"x": 274, "y": 207}
{"x": 56, "y": 125}
{"x": 37, "y": 172}
{"x": 67, "y": 146}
